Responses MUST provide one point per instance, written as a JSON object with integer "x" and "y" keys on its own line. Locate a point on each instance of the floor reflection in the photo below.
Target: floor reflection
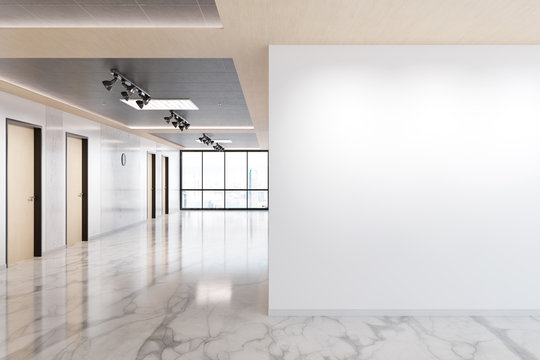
{"x": 194, "y": 286}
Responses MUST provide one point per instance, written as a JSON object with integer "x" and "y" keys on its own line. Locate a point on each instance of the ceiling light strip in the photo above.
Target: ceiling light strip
{"x": 164, "y": 104}
{"x": 217, "y": 127}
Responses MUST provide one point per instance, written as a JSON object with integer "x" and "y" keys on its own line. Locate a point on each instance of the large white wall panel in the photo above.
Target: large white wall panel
{"x": 123, "y": 192}
{"x": 55, "y": 179}
{"x": 404, "y": 179}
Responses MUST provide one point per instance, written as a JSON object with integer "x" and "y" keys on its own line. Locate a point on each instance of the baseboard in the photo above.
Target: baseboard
{"x": 110, "y": 232}
{"x": 404, "y": 312}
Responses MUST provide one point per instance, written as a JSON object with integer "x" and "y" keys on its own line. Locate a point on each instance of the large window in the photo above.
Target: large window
{"x": 224, "y": 180}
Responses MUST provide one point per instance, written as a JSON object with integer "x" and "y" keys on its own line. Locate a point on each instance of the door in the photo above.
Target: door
{"x": 20, "y": 193}
{"x": 151, "y": 183}
{"x": 165, "y": 184}
{"x": 74, "y": 190}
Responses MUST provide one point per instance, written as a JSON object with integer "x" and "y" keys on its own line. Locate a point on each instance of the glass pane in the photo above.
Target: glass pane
{"x": 258, "y": 170}
{"x": 191, "y": 170}
{"x": 213, "y": 168}
{"x": 236, "y": 170}
{"x": 236, "y": 199}
{"x": 258, "y": 199}
{"x": 213, "y": 200}
{"x": 191, "y": 199}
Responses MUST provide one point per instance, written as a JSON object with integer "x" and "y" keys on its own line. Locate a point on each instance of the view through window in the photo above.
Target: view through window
{"x": 224, "y": 180}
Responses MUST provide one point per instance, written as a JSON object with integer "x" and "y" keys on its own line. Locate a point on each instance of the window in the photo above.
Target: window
{"x": 257, "y": 170}
{"x": 213, "y": 170}
{"x": 236, "y": 168}
{"x": 224, "y": 180}
{"x": 192, "y": 165}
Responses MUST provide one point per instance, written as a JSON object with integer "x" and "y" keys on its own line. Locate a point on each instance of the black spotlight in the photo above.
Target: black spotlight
{"x": 145, "y": 98}
{"x": 109, "y": 83}
{"x": 130, "y": 88}
{"x": 175, "y": 123}
{"x": 168, "y": 118}
{"x": 187, "y": 126}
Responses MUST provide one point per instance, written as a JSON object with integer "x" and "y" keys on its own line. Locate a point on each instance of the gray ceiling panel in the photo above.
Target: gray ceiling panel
{"x": 106, "y": 2}
{"x": 109, "y": 13}
{"x": 78, "y": 82}
{"x": 62, "y": 15}
{"x": 170, "y": 2}
{"x": 104, "y": 15}
{"x": 244, "y": 141}
{"x": 188, "y": 15}
{"x": 39, "y": 2}
{"x": 11, "y": 15}
{"x": 211, "y": 16}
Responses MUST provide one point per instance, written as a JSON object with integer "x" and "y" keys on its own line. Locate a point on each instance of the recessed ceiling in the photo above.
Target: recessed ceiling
{"x": 189, "y": 140}
{"x": 212, "y": 84}
{"x": 104, "y": 13}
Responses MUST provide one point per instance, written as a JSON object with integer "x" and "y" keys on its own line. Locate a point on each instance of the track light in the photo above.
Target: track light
{"x": 130, "y": 88}
{"x": 109, "y": 83}
{"x": 205, "y": 139}
{"x": 219, "y": 148}
{"x": 145, "y": 97}
{"x": 178, "y": 122}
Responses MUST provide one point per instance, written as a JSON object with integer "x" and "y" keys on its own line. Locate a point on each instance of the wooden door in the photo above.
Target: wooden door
{"x": 20, "y": 192}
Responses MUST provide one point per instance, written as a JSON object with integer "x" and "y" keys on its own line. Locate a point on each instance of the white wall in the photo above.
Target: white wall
{"x": 117, "y": 194}
{"x": 404, "y": 179}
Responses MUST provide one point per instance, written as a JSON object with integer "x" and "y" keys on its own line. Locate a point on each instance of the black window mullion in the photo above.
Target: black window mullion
{"x": 202, "y": 180}
{"x": 224, "y": 180}
{"x": 247, "y": 179}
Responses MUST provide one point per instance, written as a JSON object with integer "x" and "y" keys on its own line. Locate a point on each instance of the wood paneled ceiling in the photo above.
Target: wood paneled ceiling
{"x": 250, "y": 26}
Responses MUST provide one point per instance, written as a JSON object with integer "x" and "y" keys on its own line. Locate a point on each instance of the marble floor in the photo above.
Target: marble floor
{"x": 197, "y": 289}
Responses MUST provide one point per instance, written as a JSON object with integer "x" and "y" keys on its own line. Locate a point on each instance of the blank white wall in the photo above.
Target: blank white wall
{"x": 117, "y": 194}
{"x": 404, "y": 179}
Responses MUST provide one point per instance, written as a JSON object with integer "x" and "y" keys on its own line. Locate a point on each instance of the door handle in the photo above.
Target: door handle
{"x": 31, "y": 198}
{"x": 80, "y": 195}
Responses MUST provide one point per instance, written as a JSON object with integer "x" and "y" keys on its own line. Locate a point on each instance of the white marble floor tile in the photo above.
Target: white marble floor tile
{"x": 197, "y": 289}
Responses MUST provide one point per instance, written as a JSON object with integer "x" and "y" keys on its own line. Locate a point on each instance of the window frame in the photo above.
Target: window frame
{"x": 247, "y": 190}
